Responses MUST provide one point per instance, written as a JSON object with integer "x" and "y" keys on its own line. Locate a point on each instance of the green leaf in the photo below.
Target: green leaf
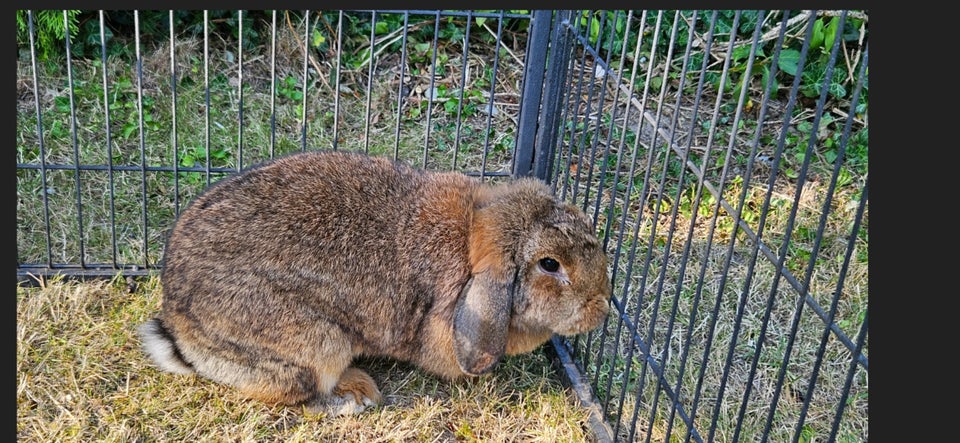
{"x": 480, "y": 20}
{"x": 774, "y": 86}
{"x": 830, "y": 34}
{"x": 318, "y": 38}
{"x": 740, "y": 53}
{"x": 816, "y": 40}
{"x": 450, "y": 106}
{"x": 381, "y": 28}
{"x": 128, "y": 129}
{"x": 789, "y": 58}
{"x": 362, "y": 58}
{"x": 738, "y": 88}
{"x": 656, "y": 82}
{"x": 830, "y": 156}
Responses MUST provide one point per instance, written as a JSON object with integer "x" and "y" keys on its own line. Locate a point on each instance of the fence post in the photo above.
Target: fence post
{"x": 554, "y": 84}
{"x": 543, "y": 81}
{"x": 532, "y": 91}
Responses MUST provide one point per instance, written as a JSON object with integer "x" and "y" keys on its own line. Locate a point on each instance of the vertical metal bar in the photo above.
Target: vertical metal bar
{"x": 586, "y": 117}
{"x": 402, "y": 74}
{"x": 336, "y": 87}
{"x": 532, "y": 91}
{"x": 576, "y": 109}
{"x": 273, "y": 84}
{"x": 623, "y": 129}
{"x": 143, "y": 147}
{"x": 173, "y": 106}
{"x": 206, "y": 88}
{"x": 370, "y": 54}
{"x": 626, "y": 195}
{"x": 432, "y": 92}
{"x": 73, "y": 134}
{"x": 240, "y": 90}
{"x": 43, "y": 152}
{"x": 306, "y": 59}
{"x": 547, "y": 131}
{"x": 465, "y": 65}
{"x": 106, "y": 113}
{"x": 589, "y": 337}
{"x": 493, "y": 96}
{"x": 570, "y": 109}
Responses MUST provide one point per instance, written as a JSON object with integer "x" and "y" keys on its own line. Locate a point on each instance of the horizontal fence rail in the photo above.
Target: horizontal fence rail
{"x": 722, "y": 156}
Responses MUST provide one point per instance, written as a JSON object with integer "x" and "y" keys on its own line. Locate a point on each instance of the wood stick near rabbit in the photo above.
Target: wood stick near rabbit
{"x": 276, "y": 278}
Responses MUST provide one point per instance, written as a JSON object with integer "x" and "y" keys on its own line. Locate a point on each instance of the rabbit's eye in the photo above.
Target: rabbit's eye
{"x": 550, "y": 265}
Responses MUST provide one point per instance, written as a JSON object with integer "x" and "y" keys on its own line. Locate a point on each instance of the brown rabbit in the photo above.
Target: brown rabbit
{"x": 275, "y": 278}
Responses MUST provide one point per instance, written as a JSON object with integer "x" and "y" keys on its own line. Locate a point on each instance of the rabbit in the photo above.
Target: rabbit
{"x": 276, "y": 278}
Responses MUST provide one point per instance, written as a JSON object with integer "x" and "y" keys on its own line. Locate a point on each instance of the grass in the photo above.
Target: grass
{"x": 81, "y": 376}
{"x": 648, "y": 210}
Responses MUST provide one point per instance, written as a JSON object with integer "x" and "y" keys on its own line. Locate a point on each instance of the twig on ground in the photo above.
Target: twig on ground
{"x": 390, "y": 39}
{"x": 309, "y": 56}
{"x": 500, "y": 41}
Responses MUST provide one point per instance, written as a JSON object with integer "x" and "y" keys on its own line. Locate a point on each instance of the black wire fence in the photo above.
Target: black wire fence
{"x": 721, "y": 154}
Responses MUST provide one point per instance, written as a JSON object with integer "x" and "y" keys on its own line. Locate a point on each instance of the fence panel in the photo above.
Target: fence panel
{"x": 722, "y": 155}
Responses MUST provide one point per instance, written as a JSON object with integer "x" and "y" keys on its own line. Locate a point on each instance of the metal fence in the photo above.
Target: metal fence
{"x": 721, "y": 154}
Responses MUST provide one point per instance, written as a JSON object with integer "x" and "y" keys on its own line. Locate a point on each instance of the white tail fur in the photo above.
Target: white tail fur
{"x": 159, "y": 346}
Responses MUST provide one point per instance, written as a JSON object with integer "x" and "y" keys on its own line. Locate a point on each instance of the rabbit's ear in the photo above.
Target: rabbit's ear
{"x": 481, "y": 319}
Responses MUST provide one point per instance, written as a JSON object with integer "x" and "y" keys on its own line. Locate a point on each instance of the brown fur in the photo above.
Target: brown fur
{"x": 274, "y": 279}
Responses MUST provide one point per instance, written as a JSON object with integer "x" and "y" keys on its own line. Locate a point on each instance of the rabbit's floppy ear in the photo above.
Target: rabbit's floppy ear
{"x": 481, "y": 319}
{"x": 499, "y": 224}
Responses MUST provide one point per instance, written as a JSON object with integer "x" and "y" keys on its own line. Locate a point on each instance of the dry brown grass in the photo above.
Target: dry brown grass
{"x": 81, "y": 376}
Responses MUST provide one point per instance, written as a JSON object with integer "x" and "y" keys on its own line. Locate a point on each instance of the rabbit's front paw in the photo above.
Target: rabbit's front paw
{"x": 360, "y": 386}
{"x": 355, "y": 392}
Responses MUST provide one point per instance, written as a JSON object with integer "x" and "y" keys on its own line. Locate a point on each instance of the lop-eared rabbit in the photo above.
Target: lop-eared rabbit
{"x": 276, "y": 278}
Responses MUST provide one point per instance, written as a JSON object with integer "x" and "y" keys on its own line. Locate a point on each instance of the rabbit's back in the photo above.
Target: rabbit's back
{"x": 373, "y": 246}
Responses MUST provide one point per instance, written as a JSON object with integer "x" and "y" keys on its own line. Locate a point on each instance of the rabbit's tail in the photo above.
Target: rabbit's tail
{"x": 162, "y": 349}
